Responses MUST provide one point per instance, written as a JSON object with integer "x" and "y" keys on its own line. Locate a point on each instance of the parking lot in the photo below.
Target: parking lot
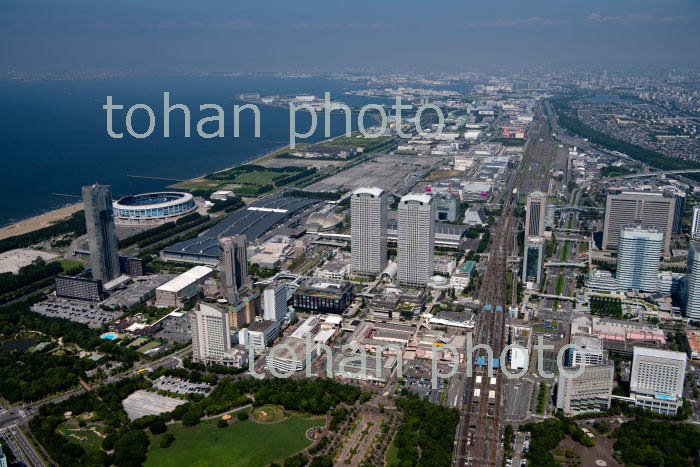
{"x": 79, "y": 312}
{"x": 388, "y": 172}
{"x": 521, "y": 444}
{"x": 142, "y": 403}
{"x": 417, "y": 379}
{"x": 175, "y": 328}
{"x": 517, "y": 399}
{"x": 13, "y": 260}
{"x": 180, "y": 386}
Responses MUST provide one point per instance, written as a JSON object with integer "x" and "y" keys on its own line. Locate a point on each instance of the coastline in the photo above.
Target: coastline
{"x": 269, "y": 154}
{"x": 45, "y": 219}
{"x": 248, "y": 162}
{"x": 39, "y": 222}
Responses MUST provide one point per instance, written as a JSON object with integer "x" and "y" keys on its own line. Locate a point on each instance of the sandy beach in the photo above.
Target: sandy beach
{"x": 40, "y": 221}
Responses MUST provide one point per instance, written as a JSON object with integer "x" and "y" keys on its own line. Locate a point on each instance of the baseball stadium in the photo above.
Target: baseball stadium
{"x": 153, "y": 208}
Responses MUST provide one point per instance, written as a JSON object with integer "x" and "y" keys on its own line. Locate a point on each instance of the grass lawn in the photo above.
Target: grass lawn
{"x": 138, "y": 342}
{"x": 541, "y": 399}
{"x": 268, "y": 413}
{"x": 560, "y": 285}
{"x": 552, "y": 328}
{"x": 258, "y": 177}
{"x": 149, "y": 346}
{"x": 243, "y": 443}
{"x": 565, "y": 251}
{"x": 247, "y": 190}
{"x": 68, "y": 264}
{"x": 85, "y": 437}
{"x": 357, "y": 140}
{"x": 201, "y": 184}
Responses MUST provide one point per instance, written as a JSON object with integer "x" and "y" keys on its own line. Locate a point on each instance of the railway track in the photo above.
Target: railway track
{"x": 479, "y": 430}
{"x": 478, "y": 441}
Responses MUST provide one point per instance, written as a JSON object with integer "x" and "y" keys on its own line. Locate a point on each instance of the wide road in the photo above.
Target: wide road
{"x": 21, "y": 447}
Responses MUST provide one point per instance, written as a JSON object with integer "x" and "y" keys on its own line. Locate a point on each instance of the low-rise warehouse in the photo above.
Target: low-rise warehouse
{"x": 289, "y": 355}
{"x": 183, "y": 287}
{"x": 323, "y": 296}
{"x": 352, "y": 368}
{"x": 252, "y": 221}
{"x": 693, "y": 338}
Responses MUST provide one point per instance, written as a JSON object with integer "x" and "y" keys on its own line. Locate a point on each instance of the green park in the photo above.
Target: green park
{"x": 241, "y": 443}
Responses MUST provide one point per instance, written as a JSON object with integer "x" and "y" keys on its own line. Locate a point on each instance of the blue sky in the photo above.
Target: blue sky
{"x": 179, "y": 36}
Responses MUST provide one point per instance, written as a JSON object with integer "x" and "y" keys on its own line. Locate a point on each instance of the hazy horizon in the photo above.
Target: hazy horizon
{"x": 210, "y": 36}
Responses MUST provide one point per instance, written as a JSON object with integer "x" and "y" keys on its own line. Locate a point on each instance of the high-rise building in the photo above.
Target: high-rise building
{"x": 657, "y": 379}
{"x": 638, "y": 257}
{"x": 692, "y": 286}
{"x": 3, "y": 458}
{"x": 131, "y": 266}
{"x": 446, "y": 207}
{"x": 211, "y": 333}
{"x": 695, "y": 228}
{"x": 588, "y": 392}
{"x": 245, "y": 310}
{"x": 102, "y": 237}
{"x": 368, "y": 220}
{"x": 233, "y": 264}
{"x": 275, "y": 302}
{"x": 680, "y": 196}
{"x": 535, "y": 214}
{"x": 648, "y": 209}
{"x": 533, "y": 259}
{"x": 416, "y": 239}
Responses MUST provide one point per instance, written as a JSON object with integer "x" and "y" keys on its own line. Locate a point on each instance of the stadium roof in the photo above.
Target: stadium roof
{"x": 154, "y": 199}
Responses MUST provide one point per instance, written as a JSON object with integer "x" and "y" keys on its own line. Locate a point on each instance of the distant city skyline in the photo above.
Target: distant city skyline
{"x": 41, "y": 36}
